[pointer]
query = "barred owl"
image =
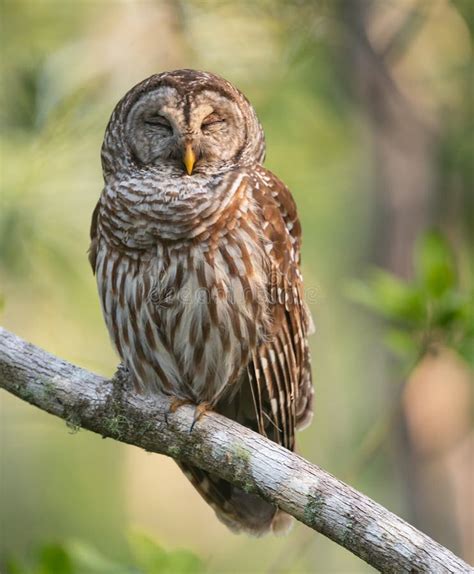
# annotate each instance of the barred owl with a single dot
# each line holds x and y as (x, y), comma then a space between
(196, 251)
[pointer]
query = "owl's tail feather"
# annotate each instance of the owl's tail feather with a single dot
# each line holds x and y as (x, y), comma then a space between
(240, 511)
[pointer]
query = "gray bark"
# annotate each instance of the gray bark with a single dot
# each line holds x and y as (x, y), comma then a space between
(221, 446)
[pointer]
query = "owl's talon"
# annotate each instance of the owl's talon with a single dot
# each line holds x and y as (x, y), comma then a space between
(199, 412)
(174, 406)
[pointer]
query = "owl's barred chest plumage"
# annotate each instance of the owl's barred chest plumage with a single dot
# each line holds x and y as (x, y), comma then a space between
(196, 251)
(185, 314)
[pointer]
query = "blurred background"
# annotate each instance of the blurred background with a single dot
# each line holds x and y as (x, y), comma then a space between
(367, 108)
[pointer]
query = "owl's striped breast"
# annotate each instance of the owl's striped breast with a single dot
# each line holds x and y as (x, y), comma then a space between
(185, 318)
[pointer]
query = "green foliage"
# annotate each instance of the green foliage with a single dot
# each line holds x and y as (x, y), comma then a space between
(433, 309)
(76, 557)
(50, 558)
(152, 559)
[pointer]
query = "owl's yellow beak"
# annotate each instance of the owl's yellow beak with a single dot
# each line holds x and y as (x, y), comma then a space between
(189, 158)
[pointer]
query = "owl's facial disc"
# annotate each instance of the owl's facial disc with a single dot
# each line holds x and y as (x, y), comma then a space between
(191, 133)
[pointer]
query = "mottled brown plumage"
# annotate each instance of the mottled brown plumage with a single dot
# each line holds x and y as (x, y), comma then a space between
(196, 251)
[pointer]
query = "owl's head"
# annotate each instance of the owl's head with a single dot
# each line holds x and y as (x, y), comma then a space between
(183, 122)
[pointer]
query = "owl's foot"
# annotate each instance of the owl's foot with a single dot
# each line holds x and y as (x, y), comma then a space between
(174, 406)
(199, 412)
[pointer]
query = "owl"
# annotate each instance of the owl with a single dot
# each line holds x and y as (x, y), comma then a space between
(196, 250)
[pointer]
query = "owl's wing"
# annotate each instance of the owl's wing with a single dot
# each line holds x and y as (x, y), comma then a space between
(92, 252)
(280, 370)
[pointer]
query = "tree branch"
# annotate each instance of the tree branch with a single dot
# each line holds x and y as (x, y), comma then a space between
(221, 446)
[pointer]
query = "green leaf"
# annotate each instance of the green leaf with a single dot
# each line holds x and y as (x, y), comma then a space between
(389, 297)
(150, 557)
(54, 559)
(435, 264)
(449, 310)
(184, 562)
(88, 560)
(153, 559)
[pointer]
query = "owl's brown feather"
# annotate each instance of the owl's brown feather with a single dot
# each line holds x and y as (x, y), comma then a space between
(281, 362)
(199, 275)
(93, 234)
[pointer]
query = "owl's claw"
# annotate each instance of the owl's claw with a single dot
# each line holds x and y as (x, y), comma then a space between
(174, 406)
(199, 412)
